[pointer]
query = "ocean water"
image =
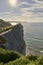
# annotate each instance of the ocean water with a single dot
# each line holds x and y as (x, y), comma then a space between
(33, 36)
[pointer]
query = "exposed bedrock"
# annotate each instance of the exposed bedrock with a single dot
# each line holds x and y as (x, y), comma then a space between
(15, 39)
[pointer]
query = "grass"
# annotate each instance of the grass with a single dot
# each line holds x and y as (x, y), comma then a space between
(6, 56)
(14, 58)
(3, 29)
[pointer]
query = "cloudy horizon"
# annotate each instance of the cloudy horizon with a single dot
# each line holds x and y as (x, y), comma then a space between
(21, 10)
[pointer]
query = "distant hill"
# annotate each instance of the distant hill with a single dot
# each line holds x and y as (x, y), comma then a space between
(4, 25)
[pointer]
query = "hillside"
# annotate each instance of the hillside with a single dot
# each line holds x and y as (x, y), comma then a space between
(13, 58)
(4, 25)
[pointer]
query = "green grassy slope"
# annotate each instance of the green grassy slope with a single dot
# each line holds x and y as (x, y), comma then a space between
(13, 58)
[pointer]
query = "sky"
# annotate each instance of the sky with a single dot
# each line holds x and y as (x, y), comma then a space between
(21, 10)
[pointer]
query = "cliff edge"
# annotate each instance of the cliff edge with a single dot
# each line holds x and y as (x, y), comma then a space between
(15, 40)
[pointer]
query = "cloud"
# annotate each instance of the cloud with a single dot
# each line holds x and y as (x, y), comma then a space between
(30, 15)
(28, 19)
(38, 5)
(5, 13)
(26, 3)
(38, 1)
(27, 15)
(27, 11)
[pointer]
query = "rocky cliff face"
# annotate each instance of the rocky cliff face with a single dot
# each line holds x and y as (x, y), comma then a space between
(15, 40)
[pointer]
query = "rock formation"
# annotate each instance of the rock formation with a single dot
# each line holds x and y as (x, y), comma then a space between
(15, 40)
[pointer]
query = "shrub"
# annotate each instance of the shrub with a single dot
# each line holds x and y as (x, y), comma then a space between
(32, 63)
(6, 56)
(2, 40)
(3, 47)
(1, 64)
(32, 57)
(20, 61)
(40, 61)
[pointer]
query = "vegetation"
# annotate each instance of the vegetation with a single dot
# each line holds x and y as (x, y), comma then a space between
(2, 29)
(6, 56)
(2, 39)
(4, 26)
(32, 57)
(2, 42)
(14, 58)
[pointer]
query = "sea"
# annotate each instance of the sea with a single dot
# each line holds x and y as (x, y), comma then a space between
(33, 36)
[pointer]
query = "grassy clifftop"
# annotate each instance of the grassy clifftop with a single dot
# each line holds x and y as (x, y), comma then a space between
(13, 58)
(4, 26)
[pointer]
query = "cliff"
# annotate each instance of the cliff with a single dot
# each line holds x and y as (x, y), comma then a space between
(15, 40)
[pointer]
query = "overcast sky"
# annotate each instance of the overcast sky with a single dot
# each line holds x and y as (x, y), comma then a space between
(22, 10)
